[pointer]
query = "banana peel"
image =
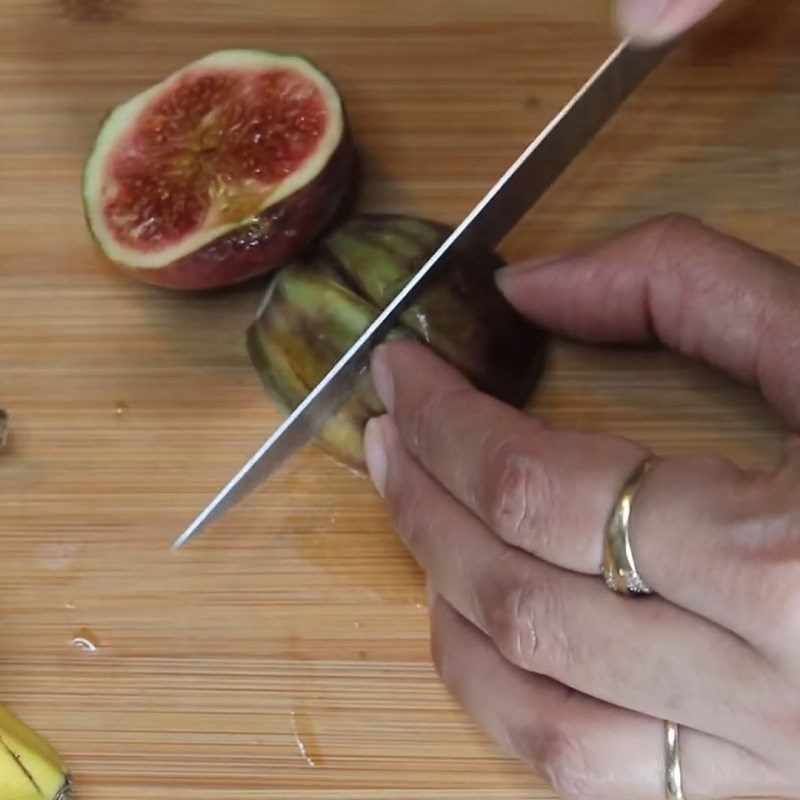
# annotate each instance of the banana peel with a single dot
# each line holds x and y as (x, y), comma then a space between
(30, 769)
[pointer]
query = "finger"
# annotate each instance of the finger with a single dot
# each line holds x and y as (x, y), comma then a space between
(548, 492)
(653, 21)
(712, 538)
(706, 295)
(726, 541)
(585, 748)
(570, 627)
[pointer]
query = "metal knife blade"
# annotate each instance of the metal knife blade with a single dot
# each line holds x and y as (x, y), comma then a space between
(488, 223)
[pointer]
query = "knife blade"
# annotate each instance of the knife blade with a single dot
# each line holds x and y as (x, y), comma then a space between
(528, 178)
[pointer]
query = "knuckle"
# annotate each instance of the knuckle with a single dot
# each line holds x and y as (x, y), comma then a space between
(513, 626)
(519, 496)
(566, 768)
(560, 756)
(676, 231)
(676, 236)
(517, 615)
(675, 223)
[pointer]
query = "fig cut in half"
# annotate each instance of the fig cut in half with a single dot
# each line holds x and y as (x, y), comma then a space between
(317, 307)
(228, 168)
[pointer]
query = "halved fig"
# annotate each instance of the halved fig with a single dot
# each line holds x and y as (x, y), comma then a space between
(314, 310)
(227, 169)
(308, 320)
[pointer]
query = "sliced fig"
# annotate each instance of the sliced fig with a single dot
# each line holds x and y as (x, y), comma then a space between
(227, 169)
(316, 309)
(307, 321)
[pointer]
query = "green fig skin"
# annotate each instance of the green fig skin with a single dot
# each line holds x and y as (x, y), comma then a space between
(315, 309)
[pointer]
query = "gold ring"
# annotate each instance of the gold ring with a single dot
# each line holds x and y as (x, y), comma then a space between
(619, 569)
(672, 757)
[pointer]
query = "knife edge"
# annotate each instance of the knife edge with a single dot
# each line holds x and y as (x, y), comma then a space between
(512, 196)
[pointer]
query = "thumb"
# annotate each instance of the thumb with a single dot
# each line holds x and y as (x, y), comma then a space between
(655, 21)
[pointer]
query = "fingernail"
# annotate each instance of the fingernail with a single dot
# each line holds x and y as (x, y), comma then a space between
(375, 453)
(382, 377)
(641, 19)
(506, 277)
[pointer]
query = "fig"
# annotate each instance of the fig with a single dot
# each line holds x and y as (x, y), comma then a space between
(316, 308)
(225, 170)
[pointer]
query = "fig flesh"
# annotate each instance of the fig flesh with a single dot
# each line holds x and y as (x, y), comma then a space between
(227, 169)
(314, 310)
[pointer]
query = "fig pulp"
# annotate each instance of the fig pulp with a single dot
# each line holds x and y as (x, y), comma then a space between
(316, 309)
(225, 170)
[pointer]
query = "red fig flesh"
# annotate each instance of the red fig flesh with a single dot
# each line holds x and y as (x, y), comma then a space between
(225, 170)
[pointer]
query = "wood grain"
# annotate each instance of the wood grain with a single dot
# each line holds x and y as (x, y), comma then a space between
(300, 619)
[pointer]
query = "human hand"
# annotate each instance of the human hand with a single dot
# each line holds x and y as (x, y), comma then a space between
(506, 517)
(658, 20)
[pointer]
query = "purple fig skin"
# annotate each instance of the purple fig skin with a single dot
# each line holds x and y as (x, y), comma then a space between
(279, 234)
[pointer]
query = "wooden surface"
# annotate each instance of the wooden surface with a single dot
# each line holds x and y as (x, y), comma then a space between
(299, 620)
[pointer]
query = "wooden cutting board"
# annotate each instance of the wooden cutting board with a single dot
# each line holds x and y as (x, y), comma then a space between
(285, 655)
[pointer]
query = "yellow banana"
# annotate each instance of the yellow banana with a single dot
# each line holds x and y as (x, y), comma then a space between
(29, 767)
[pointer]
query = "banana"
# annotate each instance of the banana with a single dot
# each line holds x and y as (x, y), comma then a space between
(29, 767)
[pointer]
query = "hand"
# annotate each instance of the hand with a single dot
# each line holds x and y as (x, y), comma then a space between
(506, 518)
(658, 20)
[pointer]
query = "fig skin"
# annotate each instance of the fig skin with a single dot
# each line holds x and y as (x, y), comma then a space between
(315, 309)
(276, 236)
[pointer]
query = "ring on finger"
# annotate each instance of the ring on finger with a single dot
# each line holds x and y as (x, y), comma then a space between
(672, 758)
(619, 569)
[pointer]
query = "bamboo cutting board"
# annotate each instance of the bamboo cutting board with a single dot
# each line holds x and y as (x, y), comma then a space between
(285, 656)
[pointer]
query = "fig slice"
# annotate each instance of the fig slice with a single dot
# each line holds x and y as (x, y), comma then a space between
(228, 168)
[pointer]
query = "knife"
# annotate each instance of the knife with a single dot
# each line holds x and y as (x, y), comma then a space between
(528, 178)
